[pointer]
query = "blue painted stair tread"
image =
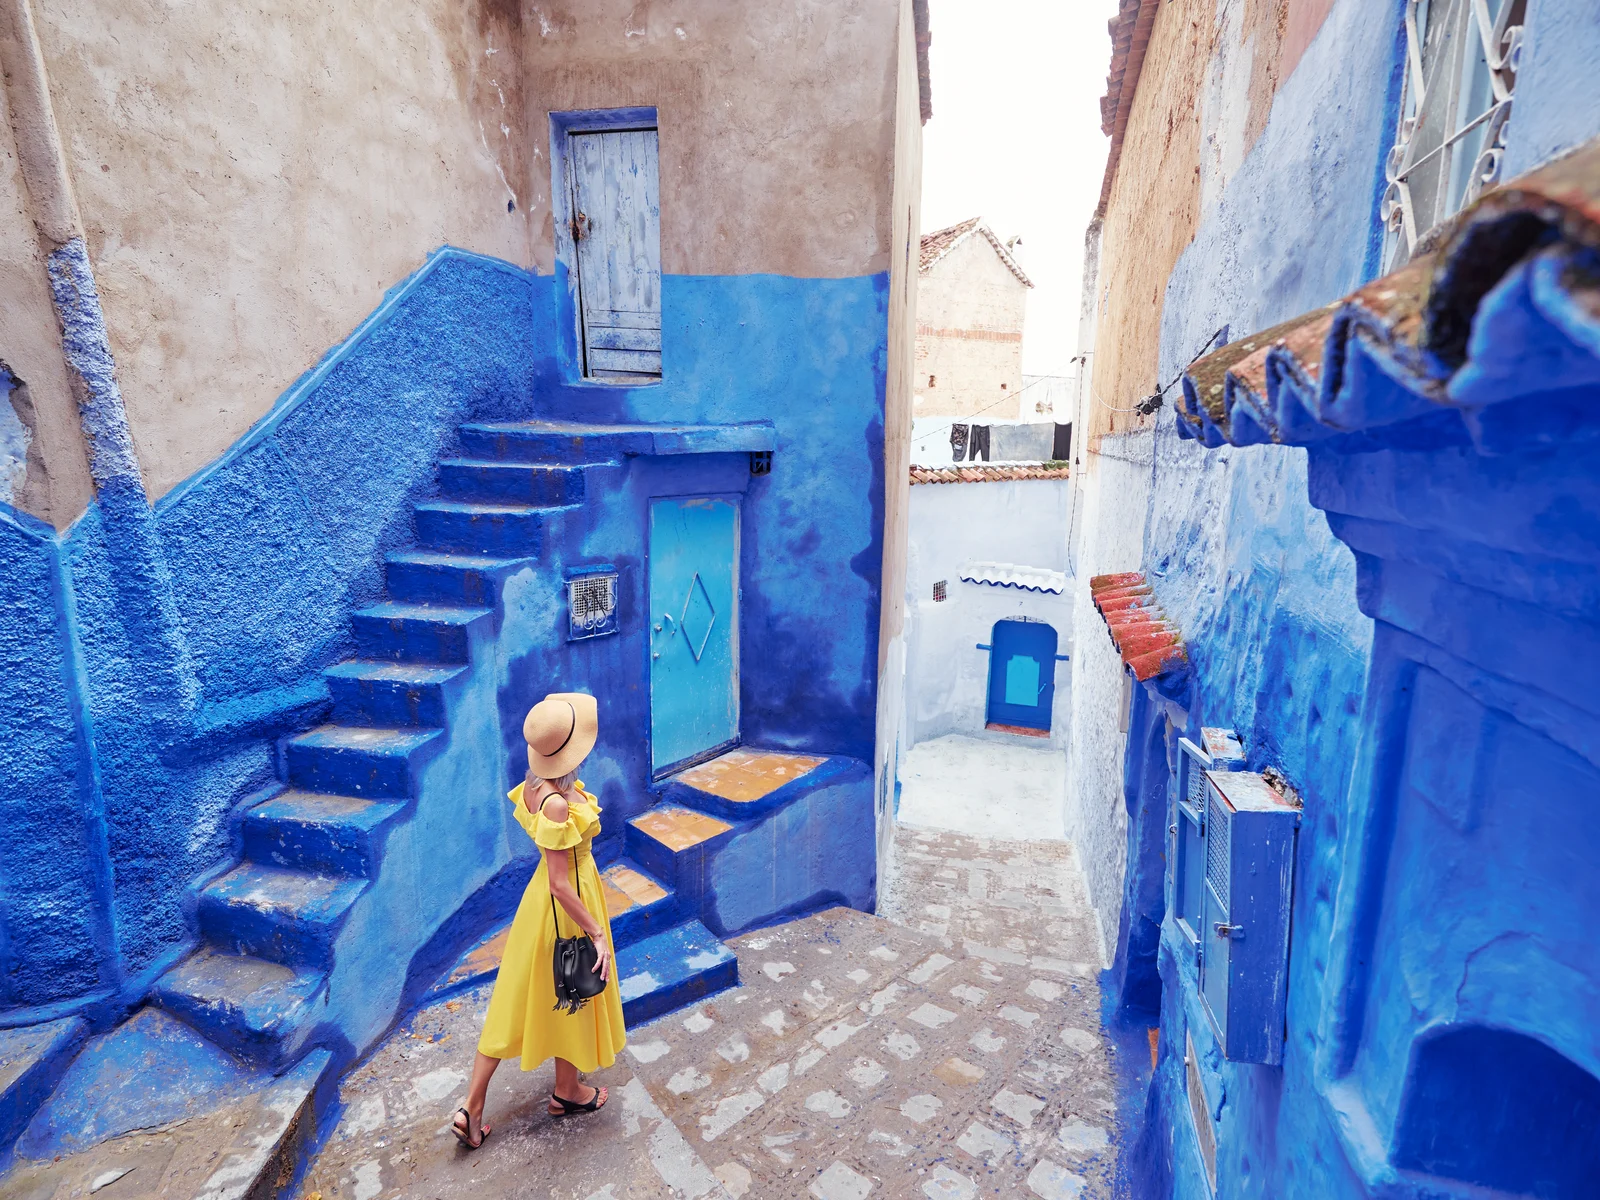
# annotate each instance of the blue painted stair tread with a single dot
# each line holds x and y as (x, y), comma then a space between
(479, 963)
(382, 692)
(497, 480)
(498, 528)
(284, 916)
(449, 578)
(564, 441)
(357, 760)
(150, 1070)
(408, 631)
(245, 1004)
(318, 831)
(747, 782)
(31, 1060)
(672, 969)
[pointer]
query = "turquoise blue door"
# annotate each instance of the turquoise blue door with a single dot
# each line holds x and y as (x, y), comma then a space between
(694, 628)
(1022, 674)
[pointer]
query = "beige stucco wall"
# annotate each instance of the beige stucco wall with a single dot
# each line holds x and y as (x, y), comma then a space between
(252, 178)
(970, 309)
(777, 123)
(906, 207)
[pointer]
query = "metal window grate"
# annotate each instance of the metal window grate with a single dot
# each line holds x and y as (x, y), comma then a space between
(940, 589)
(1195, 792)
(1219, 829)
(591, 605)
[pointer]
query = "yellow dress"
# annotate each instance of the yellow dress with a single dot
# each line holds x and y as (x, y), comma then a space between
(523, 1021)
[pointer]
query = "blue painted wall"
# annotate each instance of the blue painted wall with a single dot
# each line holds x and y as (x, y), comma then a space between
(1404, 634)
(147, 705)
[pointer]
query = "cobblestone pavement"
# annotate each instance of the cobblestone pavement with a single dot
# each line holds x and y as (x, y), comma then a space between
(949, 1049)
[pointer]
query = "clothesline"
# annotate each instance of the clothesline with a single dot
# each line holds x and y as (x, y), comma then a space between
(968, 420)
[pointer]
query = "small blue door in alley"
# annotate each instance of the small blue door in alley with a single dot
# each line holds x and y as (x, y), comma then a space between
(694, 628)
(616, 227)
(1022, 674)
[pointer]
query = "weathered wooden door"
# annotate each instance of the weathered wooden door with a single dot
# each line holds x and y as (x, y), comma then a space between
(694, 628)
(616, 225)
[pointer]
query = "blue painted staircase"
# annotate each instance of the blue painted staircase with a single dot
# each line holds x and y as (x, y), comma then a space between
(311, 848)
(313, 845)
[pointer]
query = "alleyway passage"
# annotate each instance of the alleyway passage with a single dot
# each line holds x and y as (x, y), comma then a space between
(948, 1049)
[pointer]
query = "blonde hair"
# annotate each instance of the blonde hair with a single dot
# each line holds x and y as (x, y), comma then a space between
(561, 783)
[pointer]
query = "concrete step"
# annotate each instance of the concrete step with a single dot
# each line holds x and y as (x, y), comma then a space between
(403, 631)
(674, 844)
(579, 442)
(153, 1109)
(352, 760)
(482, 529)
(32, 1061)
(636, 905)
(380, 692)
(499, 482)
(554, 441)
(288, 917)
(464, 579)
(316, 831)
(249, 1006)
(671, 969)
(746, 783)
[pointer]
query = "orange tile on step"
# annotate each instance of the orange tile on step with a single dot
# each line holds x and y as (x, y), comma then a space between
(679, 828)
(746, 775)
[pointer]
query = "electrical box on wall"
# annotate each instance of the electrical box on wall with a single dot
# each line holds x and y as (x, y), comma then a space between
(1249, 844)
(1222, 751)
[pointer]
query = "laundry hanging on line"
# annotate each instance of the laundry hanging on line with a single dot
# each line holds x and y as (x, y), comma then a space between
(978, 443)
(958, 442)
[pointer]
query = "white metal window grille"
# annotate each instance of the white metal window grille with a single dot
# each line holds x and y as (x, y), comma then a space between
(1460, 72)
(591, 605)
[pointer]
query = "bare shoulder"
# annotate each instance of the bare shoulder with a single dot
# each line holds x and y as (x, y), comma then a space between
(555, 807)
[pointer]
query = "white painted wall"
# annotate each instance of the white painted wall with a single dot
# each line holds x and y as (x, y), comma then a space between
(1115, 499)
(947, 677)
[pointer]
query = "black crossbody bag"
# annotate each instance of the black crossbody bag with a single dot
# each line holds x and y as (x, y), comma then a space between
(577, 982)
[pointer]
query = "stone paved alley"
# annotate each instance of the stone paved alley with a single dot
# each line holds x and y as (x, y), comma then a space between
(947, 1049)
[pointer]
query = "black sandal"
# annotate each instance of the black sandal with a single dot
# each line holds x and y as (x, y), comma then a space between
(571, 1107)
(464, 1136)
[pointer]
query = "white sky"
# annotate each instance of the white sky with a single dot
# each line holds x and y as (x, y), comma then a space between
(1015, 138)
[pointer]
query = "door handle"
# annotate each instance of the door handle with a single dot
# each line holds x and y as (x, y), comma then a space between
(671, 628)
(1232, 932)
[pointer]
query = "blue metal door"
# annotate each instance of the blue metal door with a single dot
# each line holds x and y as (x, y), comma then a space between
(1022, 674)
(694, 628)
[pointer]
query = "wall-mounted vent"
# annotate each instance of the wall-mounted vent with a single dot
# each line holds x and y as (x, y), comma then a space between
(1200, 1110)
(941, 589)
(591, 602)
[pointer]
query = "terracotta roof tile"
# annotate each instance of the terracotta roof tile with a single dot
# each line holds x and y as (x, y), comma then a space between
(976, 474)
(940, 242)
(1150, 645)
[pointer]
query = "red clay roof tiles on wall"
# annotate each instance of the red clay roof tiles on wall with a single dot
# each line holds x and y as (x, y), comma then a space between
(985, 474)
(1149, 644)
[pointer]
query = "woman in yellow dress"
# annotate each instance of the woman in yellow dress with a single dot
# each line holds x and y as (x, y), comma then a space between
(523, 1020)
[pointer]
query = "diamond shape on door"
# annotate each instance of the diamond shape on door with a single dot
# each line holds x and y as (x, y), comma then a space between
(698, 617)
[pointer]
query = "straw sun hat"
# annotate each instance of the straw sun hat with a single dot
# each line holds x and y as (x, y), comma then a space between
(560, 731)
